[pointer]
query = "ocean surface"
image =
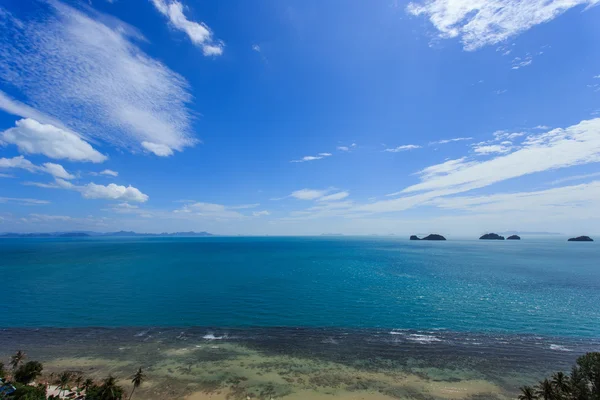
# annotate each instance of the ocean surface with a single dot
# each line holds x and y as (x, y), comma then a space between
(319, 318)
(538, 286)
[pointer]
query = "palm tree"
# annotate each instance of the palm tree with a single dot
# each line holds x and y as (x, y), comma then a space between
(545, 390)
(561, 383)
(88, 383)
(137, 380)
(579, 387)
(527, 393)
(63, 382)
(109, 388)
(17, 359)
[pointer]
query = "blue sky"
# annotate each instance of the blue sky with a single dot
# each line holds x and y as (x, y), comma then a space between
(295, 117)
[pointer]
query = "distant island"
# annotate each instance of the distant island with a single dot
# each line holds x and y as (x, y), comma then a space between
(491, 236)
(428, 237)
(514, 237)
(100, 234)
(581, 239)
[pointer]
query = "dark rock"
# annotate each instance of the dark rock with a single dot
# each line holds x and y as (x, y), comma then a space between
(581, 239)
(514, 237)
(491, 236)
(433, 236)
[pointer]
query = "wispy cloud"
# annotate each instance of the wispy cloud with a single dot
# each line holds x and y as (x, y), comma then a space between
(501, 91)
(479, 24)
(26, 202)
(575, 178)
(346, 148)
(519, 62)
(198, 32)
(320, 156)
(85, 71)
(445, 141)
(308, 194)
(405, 147)
(220, 211)
(106, 172)
(94, 191)
(334, 197)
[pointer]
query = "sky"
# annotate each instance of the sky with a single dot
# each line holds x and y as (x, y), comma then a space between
(288, 117)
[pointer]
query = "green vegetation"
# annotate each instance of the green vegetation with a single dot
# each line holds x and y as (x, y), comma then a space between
(583, 383)
(69, 385)
(28, 372)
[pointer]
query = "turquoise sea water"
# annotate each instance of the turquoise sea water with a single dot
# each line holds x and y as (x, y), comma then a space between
(538, 286)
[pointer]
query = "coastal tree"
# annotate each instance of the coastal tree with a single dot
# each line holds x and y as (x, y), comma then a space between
(17, 359)
(579, 386)
(137, 380)
(545, 390)
(561, 384)
(2, 371)
(108, 390)
(28, 372)
(589, 364)
(527, 393)
(63, 382)
(88, 383)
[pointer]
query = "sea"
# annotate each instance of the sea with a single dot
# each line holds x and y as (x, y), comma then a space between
(452, 319)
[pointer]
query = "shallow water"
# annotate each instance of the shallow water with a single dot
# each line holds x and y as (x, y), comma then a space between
(302, 363)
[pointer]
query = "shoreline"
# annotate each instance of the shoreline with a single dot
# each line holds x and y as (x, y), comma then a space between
(294, 364)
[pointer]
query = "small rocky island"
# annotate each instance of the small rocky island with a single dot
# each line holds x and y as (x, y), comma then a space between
(491, 236)
(428, 237)
(514, 237)
(581, 239)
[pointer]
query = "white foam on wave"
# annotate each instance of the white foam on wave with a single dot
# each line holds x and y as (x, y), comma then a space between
(558, 347)
(142, 333)
(423, 338)
(398, 332)
(210, 336)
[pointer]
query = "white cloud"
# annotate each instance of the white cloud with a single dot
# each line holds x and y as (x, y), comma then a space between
(597, 77)
(85, 71)
(256, 48)
(445, 141)
(26, 202)
(308, 194)
(109, 172)
(21, 162)
(6, 176)
(112, 192)
(18, 162)
(32, 137)
(491, 149)
(312, 158)
(260, 213)
(198, 33)
(501, 91)
(57, 171)
(94, 191)
(482, 23)
(542, 127)
(334, 196)
(403, 148)
(503, 135)
(161, 150)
